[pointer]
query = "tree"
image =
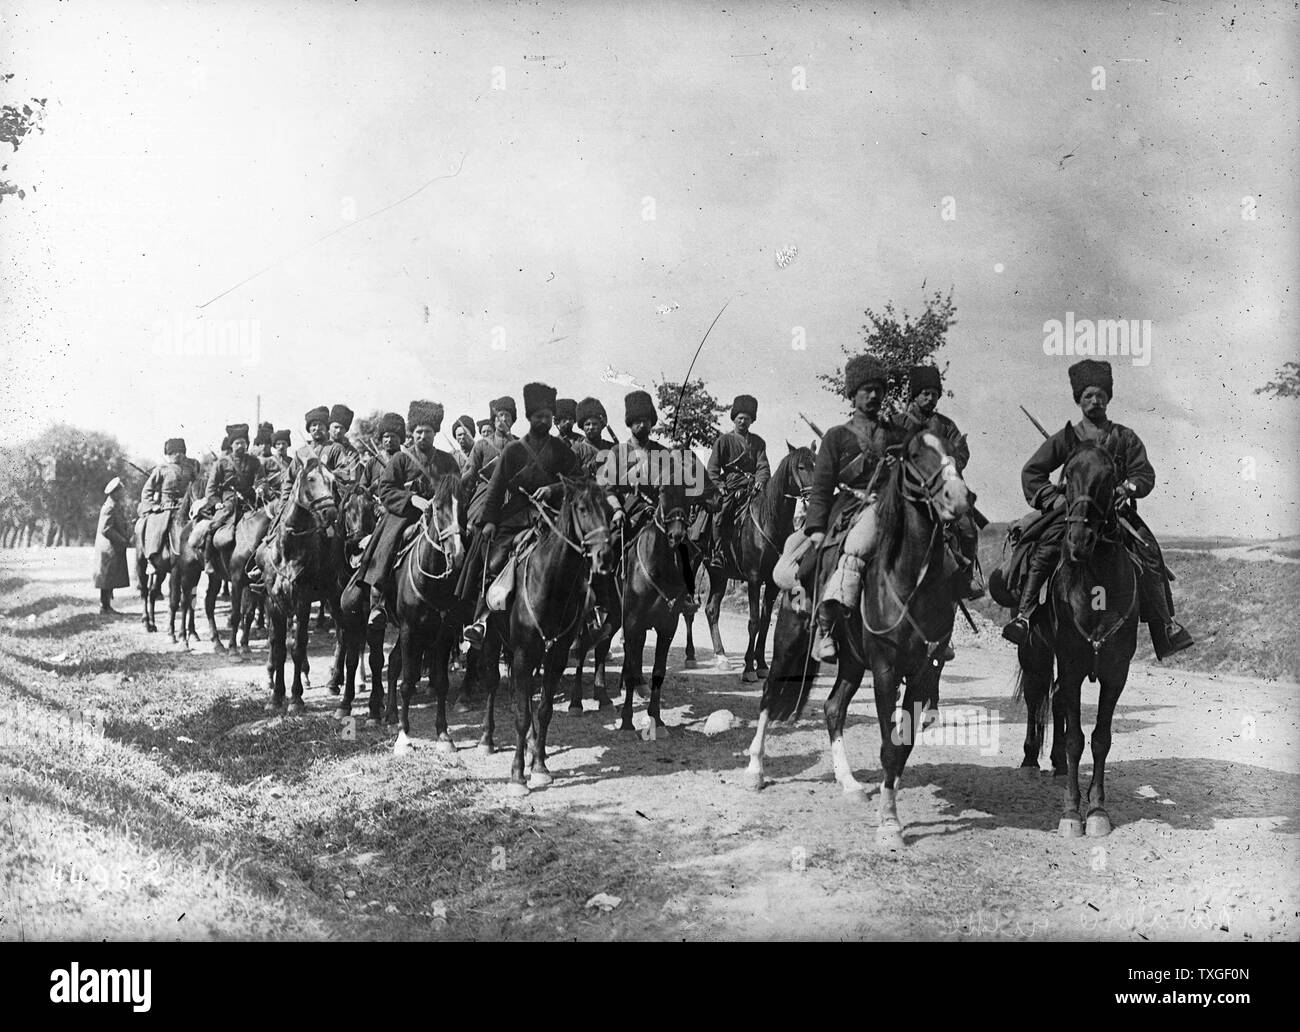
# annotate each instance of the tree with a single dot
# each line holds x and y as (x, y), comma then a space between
(1285, 382)
(15, 124)
(900, 344)
(366, 428)
(695, 423)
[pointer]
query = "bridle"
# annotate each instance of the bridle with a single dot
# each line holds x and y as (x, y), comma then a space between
(434, 535)
(317, 508)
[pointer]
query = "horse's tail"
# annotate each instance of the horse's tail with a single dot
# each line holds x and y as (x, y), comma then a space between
(1042, 715)
(790, 679)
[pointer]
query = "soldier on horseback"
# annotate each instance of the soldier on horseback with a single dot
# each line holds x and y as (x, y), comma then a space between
(483, 459)
(462, 432)
(527, 471)
(405, 486)
(232, 487)
(591, 444)
(164, 492)
(391, 432)
(262, 442)
(274, 466)
(738, 469)
(926, 387)
(566, 414)
(850, 459)
(317, 423)
(1093, 388)
(344, 457)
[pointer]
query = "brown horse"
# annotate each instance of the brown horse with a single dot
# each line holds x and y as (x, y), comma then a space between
(550, 597)
(1089, 628)
(167, 566)
(899, 631)
(757, 537)
(295, 560)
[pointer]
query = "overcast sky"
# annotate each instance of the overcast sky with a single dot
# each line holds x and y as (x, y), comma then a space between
(189, 146)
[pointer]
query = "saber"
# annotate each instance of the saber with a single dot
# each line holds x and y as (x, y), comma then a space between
(815, 428)
(677, 409)
(966, 613)
(1035, 422)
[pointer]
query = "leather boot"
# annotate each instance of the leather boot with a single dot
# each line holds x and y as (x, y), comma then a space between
(843, 590)
(477, 631)
(1017, 630)
(1167, 634)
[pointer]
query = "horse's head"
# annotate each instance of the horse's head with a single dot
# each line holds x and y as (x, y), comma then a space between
(1089, 477)
(930, 474)
(358, 514)
(585, 514)
(799, 464)
(314, 494)
(670, 515)
(441, 519)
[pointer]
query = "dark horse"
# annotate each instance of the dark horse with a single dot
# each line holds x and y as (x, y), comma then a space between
(354, 522)
(653, 587)
(422, 598)
(757, 538)
(169, 566)
(550, 597)
(1089, 628)
(903, 622)
(295, 560)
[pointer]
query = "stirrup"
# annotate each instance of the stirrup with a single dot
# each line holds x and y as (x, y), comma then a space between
(1017, 631)
(475, 633)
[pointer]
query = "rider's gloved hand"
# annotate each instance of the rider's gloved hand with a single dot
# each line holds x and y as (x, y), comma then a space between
(488, 531)
(617, 518)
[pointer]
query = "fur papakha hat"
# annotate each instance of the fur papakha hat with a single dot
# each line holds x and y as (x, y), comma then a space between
(861, 370)
(466, 422)
(174, 445)
(237, 430)
(342, 415)
(1091, 373)
(924, 378)
(639, 405)
(745, 403)
(566, 408)
(538, 396)
(589, 407)
(264, 432)
(504, 403)
(427, 413)
(391, 423)
(281, 435)
(320, 414)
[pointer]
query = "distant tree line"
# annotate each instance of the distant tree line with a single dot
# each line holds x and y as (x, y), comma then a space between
(52, 486)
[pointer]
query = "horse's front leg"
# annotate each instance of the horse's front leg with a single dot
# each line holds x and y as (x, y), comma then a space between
(236, 611)
(337, 673)
(663, 640)
(521, 689)
(174, 589)
(490, 675)
(580, 647)
(411, 641)
(1036, 686)
(712, 610)
(1112, 685)
(633, 663)
(552, 670)
(298, 651)
(754, 588)
(465, 701)
(847, 681)
(439, 682)
(1069, 688)
(276, 658)
(764, 622)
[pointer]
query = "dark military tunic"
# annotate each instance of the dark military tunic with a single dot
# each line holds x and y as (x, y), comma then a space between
(408, 473)
(165, 493)
(735, 458)
(943, 428)
(273, 471)
(525, 466)
(478, 474)
(1124, 446)
(233, 478)
(849, 455)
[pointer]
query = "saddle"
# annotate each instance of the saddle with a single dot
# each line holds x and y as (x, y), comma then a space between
(503, 585)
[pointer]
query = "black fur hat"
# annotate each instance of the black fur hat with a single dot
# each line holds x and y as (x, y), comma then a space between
(428, 413)
(639, 405)
(1091, 373)
(566, 408)
(391, 423)
(745, 403)
(320, 414)
(467, 423)
(589, 407)
(506, 403)
(236, 430)
(538, 396)
(174, 445)
(264, 432)
(342, 415)
(861, 370)
(281, 435)
(922, 378)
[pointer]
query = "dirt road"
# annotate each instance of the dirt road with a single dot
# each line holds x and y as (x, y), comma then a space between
(1202, 788)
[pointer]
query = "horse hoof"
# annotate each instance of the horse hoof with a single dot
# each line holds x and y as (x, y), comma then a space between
(628, 729)
(516, 790)
(722, 662)
(274, 706)
(1098, 824)
(342, 713)
(854, 793)
(690, 664)
(603, 702)
(539, 779)
(402, 746)
(1070, 827)
(574, 711)
(245, 651)
(754, 780)
(749, 677)
(762, 673)
(463, 706)
(218, 647)
(444, 745)
(889, 836)
(333, 689)
(295, 709)
(1028, 772)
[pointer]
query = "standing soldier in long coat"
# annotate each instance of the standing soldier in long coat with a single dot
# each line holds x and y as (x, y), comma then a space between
(112, 536)
(232, 488)
(1093, 387)
(164, 494)
(483, 457)
(851, 455)
(405, 488)
(529, 467)
(738, 469)
(926, 387)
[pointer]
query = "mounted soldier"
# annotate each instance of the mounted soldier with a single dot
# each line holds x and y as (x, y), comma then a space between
(566, 414)
(165, 492)
(1093, 388)
(483, 458)
(843, 491)
(527, 470)
(232, 486)
(462, 433)
(262, 442)
(738, 469)
(317, 423)
(925, 387)
(274, 466)
(405, 486)
(391, 431)
(344, 457)
(591, 445)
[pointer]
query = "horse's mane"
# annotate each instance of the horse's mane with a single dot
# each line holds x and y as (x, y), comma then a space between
(891, 505)
(444, 488)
